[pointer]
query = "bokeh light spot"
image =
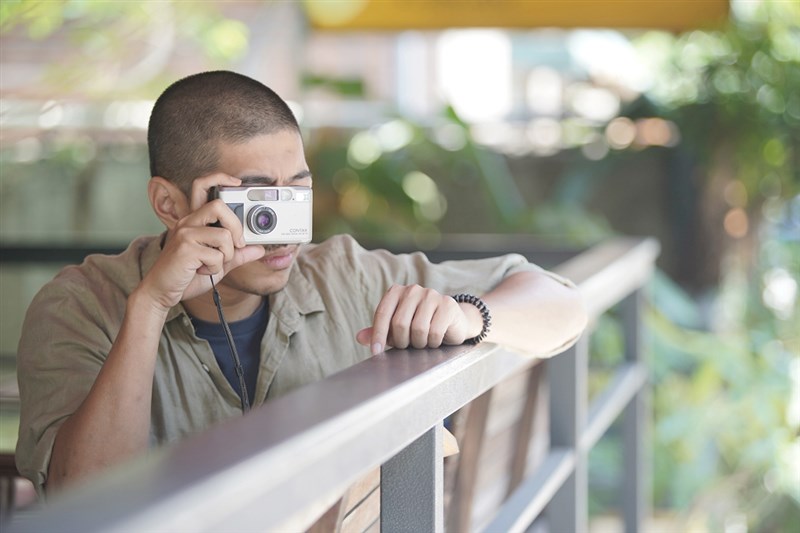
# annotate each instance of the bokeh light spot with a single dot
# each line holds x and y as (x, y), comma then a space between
(736, 223)
(364, 150)
(420, 187)
(620, 133)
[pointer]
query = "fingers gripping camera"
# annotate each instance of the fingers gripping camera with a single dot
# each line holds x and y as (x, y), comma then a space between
(270, 215)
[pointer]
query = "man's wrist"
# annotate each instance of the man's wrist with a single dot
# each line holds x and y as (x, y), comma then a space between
(140, 300)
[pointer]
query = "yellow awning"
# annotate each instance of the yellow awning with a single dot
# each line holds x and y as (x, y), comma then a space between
(440, 14)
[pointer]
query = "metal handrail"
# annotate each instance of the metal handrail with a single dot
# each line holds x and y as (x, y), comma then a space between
(265, 469)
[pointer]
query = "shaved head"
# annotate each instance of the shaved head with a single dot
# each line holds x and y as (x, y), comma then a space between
(194, 115)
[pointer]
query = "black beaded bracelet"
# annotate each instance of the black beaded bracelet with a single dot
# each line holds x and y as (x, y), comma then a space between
(487, 318)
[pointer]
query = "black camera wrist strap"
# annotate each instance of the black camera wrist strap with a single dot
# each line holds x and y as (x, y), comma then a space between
(232, 346)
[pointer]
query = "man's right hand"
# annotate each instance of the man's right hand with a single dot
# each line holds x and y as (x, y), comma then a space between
(194, 249)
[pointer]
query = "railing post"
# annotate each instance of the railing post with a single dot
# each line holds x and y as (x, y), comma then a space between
(412, 486)
(635, 490)
(567, 374)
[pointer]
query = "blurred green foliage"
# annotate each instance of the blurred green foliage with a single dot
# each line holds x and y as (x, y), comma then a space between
(726, 434)
(735, 95)
(726, 367)
(122, 48)
(726, 363)
(401, 178)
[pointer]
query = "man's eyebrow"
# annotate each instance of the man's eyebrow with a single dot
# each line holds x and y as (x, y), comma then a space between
(270, 182)
(258, 180)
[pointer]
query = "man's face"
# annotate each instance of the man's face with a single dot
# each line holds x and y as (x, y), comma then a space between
(275, 160)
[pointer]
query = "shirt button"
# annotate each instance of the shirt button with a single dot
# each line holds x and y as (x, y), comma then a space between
(205, 367)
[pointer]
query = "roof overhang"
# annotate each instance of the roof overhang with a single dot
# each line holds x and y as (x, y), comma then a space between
(398, 15)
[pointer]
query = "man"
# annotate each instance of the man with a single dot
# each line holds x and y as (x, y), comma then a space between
(124, 352)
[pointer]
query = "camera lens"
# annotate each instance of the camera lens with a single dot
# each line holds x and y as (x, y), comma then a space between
(261, 219)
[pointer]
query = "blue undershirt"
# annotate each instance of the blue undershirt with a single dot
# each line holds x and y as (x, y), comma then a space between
(247, 335)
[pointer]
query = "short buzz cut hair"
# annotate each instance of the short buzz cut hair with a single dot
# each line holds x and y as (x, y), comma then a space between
(195, 114)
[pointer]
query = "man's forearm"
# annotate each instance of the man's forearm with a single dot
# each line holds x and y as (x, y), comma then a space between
(534, 313)
(113, 422)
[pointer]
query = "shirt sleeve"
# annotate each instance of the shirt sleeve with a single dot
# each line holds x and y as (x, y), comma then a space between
(65, 340)
(379, 269)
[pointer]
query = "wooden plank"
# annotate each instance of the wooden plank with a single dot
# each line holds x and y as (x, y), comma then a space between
(496, 468)
(364, 515)
(508, 401)
(493, 476)
(361, 489)
(331, 520)
(486, 507)
(458, 426)
(539, 444)
(496, 456)
(375, 527)
(460, 508)
(525, 428)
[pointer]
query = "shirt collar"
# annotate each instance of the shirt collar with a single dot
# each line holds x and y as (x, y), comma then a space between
(299, 297)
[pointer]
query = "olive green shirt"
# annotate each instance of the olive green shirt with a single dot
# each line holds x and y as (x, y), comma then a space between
(331, 294)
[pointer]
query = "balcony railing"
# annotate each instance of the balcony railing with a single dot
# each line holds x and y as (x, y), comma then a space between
(281, 466)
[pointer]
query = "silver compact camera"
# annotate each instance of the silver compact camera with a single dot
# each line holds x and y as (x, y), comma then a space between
(270, 215)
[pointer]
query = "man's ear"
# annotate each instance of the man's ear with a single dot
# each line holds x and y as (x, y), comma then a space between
(168, 201)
